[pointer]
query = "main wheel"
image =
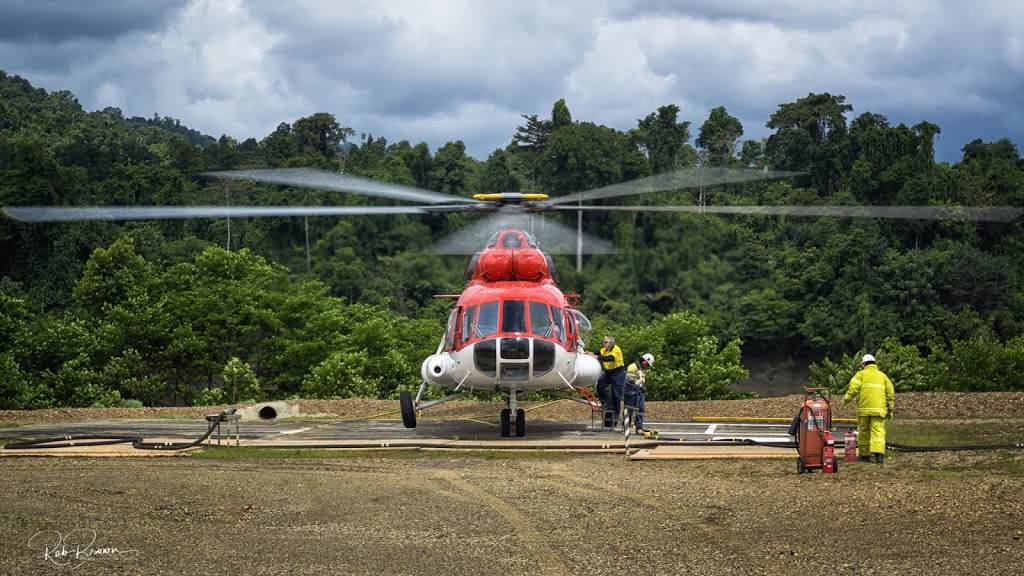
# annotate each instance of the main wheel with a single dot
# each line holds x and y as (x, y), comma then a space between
(801, 467)
(506, 416)
(408, 412)
(520, 423)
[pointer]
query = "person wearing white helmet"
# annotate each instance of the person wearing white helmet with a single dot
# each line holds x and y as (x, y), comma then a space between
(875, 397)
(636, 389)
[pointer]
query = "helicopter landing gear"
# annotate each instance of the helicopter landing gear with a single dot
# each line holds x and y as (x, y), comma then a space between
(506, 418)
(506, 423)
(408, 411)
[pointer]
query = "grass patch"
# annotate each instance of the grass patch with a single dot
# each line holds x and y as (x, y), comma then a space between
(953, 434)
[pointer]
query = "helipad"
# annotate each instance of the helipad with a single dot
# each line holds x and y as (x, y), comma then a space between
(672, 440)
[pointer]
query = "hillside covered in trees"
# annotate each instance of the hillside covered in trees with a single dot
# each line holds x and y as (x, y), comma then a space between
(210, 310)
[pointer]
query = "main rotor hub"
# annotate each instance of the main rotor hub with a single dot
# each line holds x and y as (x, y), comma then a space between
(510, 197)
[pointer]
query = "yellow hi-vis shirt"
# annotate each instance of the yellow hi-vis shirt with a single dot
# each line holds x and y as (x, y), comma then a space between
(616, 362)
(635, 371)
(874, 392)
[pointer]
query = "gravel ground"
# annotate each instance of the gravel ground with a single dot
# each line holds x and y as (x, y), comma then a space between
(536, 513)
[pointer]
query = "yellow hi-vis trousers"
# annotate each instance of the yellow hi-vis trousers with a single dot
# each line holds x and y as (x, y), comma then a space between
(870, 435)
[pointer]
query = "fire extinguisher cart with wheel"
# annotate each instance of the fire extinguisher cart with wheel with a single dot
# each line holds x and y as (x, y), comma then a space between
(812, 428)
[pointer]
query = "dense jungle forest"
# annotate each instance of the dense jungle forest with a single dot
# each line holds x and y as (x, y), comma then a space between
(214, 310)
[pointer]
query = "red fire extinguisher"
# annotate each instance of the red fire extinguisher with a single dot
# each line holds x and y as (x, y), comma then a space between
(850, 445)
(828, 454)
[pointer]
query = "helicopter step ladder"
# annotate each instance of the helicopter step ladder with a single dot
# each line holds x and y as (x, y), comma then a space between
(595, 405)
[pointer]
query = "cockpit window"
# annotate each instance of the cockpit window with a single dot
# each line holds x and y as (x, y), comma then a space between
(468, 323)
(517, 316)
(487, 320)
(513, 316)
(449, 335)
(540, 320)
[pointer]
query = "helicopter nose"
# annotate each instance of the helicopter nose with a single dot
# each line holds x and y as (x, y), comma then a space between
(436, 368)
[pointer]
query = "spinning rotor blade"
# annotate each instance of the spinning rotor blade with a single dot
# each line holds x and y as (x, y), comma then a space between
(974, 213)
(93, 213)
(338, 182)
(677, 180)
(552, 237)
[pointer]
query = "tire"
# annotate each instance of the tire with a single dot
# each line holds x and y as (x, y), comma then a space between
(506, 416)
(520, 423)
(408, 411)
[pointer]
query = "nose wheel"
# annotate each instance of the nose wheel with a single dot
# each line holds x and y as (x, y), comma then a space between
(507, 423)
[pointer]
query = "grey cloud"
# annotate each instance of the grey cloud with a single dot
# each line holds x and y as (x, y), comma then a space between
(61, 20)
(437, 73)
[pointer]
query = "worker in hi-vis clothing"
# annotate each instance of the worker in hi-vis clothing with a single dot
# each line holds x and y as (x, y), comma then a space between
(875, 396)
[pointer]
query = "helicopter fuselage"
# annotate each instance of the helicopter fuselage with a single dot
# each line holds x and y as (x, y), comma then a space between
(512, 330)
(512, 336)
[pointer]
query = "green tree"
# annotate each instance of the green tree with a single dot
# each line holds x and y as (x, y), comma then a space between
(810, 136)
(664, 139)
(583, 156)
(317, 138)
(718, 136)
(114, 276)
(280, 146)
(498, 175)
(449, 174)
(240, 382)
(690, 363)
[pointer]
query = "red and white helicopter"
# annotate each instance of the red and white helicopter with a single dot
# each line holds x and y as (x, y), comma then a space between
(512, 330)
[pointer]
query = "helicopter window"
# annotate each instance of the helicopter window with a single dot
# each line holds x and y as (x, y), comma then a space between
(540, 320)
(449, 335)
(559, 324)
(487, 320)
(513, 316)
(468, 323)
(485, 357)
(543, 357)
(582, 322)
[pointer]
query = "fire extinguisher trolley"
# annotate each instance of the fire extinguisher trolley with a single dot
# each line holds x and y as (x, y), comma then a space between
(813, 426)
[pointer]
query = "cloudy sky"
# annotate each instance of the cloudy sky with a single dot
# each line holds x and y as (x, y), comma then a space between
(445, 70)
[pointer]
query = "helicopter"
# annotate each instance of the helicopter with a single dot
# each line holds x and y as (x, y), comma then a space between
(512, 330)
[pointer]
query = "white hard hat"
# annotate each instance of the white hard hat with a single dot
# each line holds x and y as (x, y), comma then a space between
(648, 358)
(867, 358)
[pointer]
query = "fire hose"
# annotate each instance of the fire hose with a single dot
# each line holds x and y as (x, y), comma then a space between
(70, 441)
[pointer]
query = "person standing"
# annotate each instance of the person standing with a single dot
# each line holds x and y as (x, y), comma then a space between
(636, 389)
(875, 397)
(611, 384)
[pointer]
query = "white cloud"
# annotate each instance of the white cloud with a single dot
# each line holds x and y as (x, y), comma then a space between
(449, 70)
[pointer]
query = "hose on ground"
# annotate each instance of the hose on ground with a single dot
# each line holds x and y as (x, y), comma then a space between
(71, 441)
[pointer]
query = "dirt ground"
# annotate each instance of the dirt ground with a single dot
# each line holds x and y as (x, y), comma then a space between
(442, 512)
